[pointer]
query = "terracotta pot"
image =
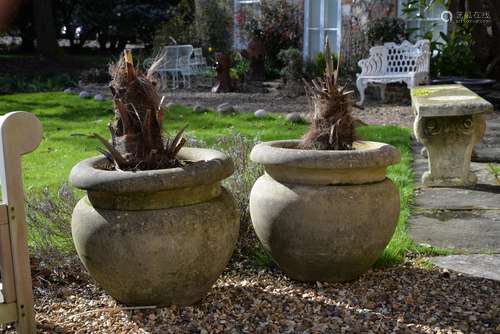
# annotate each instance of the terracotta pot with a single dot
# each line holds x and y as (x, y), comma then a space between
(324, 215)
(157, 237)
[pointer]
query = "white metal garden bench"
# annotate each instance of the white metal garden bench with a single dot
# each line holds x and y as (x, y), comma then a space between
(20, 133)
(389, 63)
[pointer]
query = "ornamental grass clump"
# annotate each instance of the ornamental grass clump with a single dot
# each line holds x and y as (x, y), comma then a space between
(137, 141)
(332, 126)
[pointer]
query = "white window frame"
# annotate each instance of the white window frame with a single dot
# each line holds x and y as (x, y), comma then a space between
(419, 21)
(321, 27)
(238, 42)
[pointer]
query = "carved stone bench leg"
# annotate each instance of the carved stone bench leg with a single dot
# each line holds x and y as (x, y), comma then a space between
(361, 85)
(449, 142)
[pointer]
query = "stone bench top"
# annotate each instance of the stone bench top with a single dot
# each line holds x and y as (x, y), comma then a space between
(447, 100)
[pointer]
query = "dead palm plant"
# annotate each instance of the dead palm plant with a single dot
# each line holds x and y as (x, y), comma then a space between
(332, 126)
(137, 141)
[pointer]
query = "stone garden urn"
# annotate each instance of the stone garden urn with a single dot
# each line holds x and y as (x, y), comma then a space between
(156, 237)
(324, 215)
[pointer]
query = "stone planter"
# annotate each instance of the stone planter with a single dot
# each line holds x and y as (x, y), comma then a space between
(156, 237)
(324, 215)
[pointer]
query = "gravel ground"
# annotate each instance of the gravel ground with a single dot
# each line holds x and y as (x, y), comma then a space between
(396, 112)
(404, 299)
(409, 298)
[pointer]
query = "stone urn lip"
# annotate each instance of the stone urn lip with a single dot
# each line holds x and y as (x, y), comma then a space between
(367, 154)
(210, 167)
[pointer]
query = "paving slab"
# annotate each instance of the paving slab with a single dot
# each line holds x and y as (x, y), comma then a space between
(464, 231)
(488, 150)
(485, 197)
(466, 220)
(485, 266)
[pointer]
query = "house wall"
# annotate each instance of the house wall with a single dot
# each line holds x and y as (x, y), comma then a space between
(356, 14)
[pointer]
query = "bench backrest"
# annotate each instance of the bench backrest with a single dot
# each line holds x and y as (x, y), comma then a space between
(403, 58)
(394, 59)
(20, 133)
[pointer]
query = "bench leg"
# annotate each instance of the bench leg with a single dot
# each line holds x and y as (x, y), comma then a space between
(361, 85)
(382, 92)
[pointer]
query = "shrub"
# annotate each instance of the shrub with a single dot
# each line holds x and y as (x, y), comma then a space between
(246, 172)
(95, 75)
(240, 67)
(315, 68)
(213, 21)
(386, 29)
(23, 83)
(454, 54)
(293, 69)
(279, 27)
(180, 26)
(48, 217)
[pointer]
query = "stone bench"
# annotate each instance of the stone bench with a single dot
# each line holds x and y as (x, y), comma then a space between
(449, 122)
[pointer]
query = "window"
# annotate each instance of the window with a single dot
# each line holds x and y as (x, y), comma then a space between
(247, 6)
(322, 18)
(424, 19)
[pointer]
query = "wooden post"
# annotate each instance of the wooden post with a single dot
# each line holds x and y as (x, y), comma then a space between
(20, 133)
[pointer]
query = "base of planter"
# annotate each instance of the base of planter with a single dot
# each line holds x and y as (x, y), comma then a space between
(324, 233)
(157, 257)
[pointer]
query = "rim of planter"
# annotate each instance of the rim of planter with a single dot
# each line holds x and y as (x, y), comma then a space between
(366, 163)
(208, 167)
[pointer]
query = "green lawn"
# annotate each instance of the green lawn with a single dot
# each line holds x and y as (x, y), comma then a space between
(68, 120)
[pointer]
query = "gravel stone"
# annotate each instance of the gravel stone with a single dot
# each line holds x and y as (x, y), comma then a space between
(225, 109)
(407, 298)
(84, 94)
(99, 97)
(199, 109)
(294, 117)
(261, 113)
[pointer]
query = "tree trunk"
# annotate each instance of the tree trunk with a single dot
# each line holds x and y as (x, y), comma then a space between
(45, 29)
(223, 65)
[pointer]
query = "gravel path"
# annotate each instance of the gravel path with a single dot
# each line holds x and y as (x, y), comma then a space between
(404, 299)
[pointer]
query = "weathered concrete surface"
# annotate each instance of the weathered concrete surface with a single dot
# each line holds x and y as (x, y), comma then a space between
(485, 266)
(466, 231)
(156, 237)
(324, 233)
(324, 215)
(462, 219)
(447, 100)
(449, 123)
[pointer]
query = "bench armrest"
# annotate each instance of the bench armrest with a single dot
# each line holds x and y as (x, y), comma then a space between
(373, 65)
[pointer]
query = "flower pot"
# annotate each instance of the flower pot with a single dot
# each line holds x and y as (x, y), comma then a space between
(324, 215)
(156, 237)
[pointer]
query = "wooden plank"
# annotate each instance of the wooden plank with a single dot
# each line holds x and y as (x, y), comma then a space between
(6, 265)
(8, 313)
(20, 133)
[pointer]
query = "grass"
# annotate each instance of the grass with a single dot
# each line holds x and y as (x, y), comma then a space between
(69, 120)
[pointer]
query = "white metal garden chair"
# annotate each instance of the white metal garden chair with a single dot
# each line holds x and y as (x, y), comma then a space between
(174, 67)
(20, 133)
(198, 63)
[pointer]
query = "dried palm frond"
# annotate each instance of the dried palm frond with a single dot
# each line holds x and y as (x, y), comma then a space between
(332, 125)
(136, 132)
